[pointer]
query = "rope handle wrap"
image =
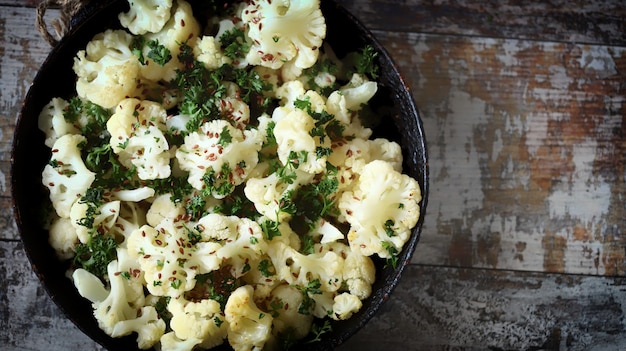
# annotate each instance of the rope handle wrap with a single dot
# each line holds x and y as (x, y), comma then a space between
(62, 24)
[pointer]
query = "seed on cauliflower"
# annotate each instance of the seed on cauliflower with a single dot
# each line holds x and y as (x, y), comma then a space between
(66, 176)
(284, 30)
(136, 130)
(381, 208)
(145, 16)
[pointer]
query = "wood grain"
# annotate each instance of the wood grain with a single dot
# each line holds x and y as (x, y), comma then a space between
(591, 22)
(527, 151)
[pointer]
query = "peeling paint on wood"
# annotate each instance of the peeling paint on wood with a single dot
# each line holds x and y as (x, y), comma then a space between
(527, 152)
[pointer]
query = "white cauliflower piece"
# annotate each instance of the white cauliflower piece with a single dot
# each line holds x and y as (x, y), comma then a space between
(285, 301)
(249, 328)
(208, 51)
(241, 238)
(386, 150)
(293, 137)
(169, 261)
(352, 96)
(105, 218)
(359, 272)
(63, 238)
(219, 156)
(182, 27)
(201, 320)
(52, 121)
(289, 92)
(107, 70)
(267, 192)
(169, 342)
(148, 326)
(299, 269)
(89, 286)
(284, 30)
(145, 16)
(123, 300)
(351, 156)
(381, 208)
(163, 207)
(345, 305)
(66, 176)
(136, 130)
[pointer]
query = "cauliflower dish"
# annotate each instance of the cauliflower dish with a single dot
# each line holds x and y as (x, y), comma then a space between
(213, 180)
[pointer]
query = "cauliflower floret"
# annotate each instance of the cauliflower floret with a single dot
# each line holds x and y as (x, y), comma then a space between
(300, 269)
(104, 219)
(359, 272)
(351, 156)
(293, 137)
(123, 301)
(136, 130)
(146, 16)
(249, 328)
(66, 176)
(201, 320)
(289, 92)
(266, 193)
(52, 121)
(285, 301)
(107, 70)
(163, 207)
(63, 238)
(242, 239)
(284, 30)
(182, 27)
(148, 326)
(89, 286)
(345, 305)
(219, 156)
(169, 261)
(208, 51)
(169, 342)
(381, 208)
(352, 96)
(386, 150)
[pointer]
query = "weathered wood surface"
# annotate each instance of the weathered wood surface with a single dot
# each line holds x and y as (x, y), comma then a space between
(523, 244)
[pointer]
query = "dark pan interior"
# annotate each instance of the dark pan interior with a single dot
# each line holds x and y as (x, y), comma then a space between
(400, 122)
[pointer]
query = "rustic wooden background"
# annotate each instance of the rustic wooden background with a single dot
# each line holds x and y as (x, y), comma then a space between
(523, 246)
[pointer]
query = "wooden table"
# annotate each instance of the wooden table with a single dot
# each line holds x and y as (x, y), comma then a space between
(524, 242)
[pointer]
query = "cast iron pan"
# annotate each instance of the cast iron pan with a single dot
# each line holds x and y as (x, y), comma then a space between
(394, 101)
